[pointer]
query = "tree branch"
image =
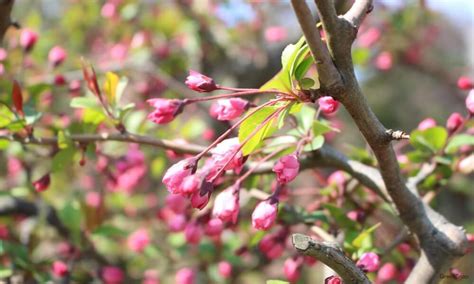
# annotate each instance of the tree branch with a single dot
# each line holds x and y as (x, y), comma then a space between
(328, 73)
(358, 11)
(5, 21)
(331, 255)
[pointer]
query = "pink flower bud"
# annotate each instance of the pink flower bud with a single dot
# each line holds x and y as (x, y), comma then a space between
(57, 55)
(333, 280)
(176, 223)
(42, 184)
(271, 247)
(456, 273)
(225, 269)
(176, 202)
(287, 168)
(200, 201)
(465, 83)
(165, 110)
(190, 184)
(356, 215)
(427, 123)
(175, 175)
(200, 83)
(384, 61)
(214, 227)
(404, 248)
(328, 105)
(337, 178)
(264, 215)
(112, 275)
(109, 10)
(291, 268)
(28, 38)
(226, 205)
(59, 80)
(466, 165)
(185, 276)
(275, 34)
(93, 199)
(369, 37)
(138, 240)
(455, 120)
(193, 233)
(223, 152)
(229, 109)
(4, 233)
(60, 269)
(470, 102)
(151, 276)
(3, 54)
(387, 272)
(369, 262)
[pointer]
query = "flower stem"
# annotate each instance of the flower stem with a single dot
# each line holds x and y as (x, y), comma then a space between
(239, 94)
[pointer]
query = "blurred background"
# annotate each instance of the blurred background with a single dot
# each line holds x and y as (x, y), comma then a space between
(408, 55)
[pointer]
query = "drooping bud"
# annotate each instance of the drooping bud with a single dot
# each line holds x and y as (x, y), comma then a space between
(138, 240)
(60, 269)
(112, 275)
(465, 83)
(193, 233)
(165, 110)
(57, 55)
(214, 227)
(264, 215)
(333, 280)
(185, 276)
(287, 168)
(226, 205)
(42, 184)
(387, 272)
(369, 262)
(229, 109)
(292, 268)
(328, 105)
(223, 152)
(175, 175)
(200, 83)
(28, 38)
(225, 269)
(384, 61)
(455, 120)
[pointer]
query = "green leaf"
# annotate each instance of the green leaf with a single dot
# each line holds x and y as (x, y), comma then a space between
(458, 141)
(279, 82)
(110, 87)
(306, 83)
(63, 159)
(303, 68)
(315, 144)
(71, 216)
(5, 272)
(305, 117)
(109, 231)
(357, 242)
(93, 116)
(361, 56)
(431, 139)
(283, 115)
(321, 127)
(251, 123)
(277, 282)
(64, 140)
(339, 216)
(85, 102)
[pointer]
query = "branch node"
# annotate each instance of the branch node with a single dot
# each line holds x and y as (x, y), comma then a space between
(397, 134)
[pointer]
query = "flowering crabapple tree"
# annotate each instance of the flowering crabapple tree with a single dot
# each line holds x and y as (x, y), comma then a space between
(106, 185)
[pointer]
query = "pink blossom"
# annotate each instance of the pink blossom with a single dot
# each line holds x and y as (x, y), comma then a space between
(60, 268)
(369, 37)
(387, 272)
(427, 123)
(226, 205)
(455, 120)
(59, 80)
(384, 61)
(229, 109)
(185, 276)
(93, 199)
(271, 247)
(264, 215)
(4, 233)
(214, 227)
(275, 34)
(465, 83)
(151, 276)
(291, 268)
(337, 178)
(470, 102)
(190, 184)
(3, 54)
(328, 105)
(176, 202)
(119, 51)
(209, 134)
(176, 223)
(199, 201)
(57, 55)
(112, 275)
(404, 248)
(223, 152)
(138, 240)
(287, 168)
(369, 262)
(14, 166)
(175, 175)
(333, 280)
(42, 184)
(28, 38)
(109, 10)
(193, 233)
(199, 82)
(356, 215)
(225, 269)
(165, 110)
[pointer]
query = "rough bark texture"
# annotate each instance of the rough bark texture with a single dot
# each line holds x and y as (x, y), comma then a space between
(5, 21)
(440, 241)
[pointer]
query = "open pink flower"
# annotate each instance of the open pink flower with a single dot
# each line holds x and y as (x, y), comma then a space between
(287, 168)
(465, 83)
(138, 240)
(42, 184)
(369, 262)
(200, 83)
(175, 175)
(328, 105)
(228, 109)
(165, 110)
(264, 215)
(28, 38)
(60, 268)
(57, 55)
(223, 152)
(226, 205)
(112, 275)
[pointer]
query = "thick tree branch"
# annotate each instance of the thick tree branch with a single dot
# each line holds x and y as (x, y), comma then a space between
(5, 21)
(331, 255)
(328, 73)
(441, 242)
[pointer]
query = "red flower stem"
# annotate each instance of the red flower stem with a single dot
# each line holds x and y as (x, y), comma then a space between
(225, 134)
(257, 164)
(267, 119)
(234, 89)
(239, 94)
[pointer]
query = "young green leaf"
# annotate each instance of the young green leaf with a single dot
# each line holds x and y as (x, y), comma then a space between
(110, 87)
(254, 121)
(357, 242)
(431, 139)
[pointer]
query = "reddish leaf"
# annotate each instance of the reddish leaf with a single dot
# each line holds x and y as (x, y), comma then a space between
(91, 80)
(17, 98)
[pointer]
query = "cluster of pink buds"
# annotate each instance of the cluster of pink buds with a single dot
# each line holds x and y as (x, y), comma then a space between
(272, 245)
(369, 262)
